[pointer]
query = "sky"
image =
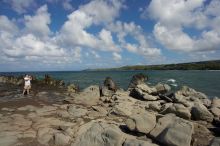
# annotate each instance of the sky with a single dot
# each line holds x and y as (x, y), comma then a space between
(68, 35)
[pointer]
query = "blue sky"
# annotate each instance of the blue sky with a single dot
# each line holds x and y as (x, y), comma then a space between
(40, 35)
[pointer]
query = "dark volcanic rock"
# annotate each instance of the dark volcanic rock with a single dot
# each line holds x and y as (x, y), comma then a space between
(137, 80)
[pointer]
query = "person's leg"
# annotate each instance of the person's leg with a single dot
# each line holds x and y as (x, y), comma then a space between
(23, 91)
(28, 91)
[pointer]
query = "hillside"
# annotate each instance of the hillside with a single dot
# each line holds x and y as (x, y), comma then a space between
(203, 65)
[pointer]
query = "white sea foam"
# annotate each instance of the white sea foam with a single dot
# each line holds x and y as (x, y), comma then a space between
(175, 85)
(171, 80)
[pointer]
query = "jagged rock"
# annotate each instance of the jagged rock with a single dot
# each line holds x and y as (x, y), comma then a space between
(215, 141)
(135, 142)
(99, 134)
(200, 112)
(143, 92)
(100, 109)
(72, 88)
(154, 106)
(122, 109)
(137, 79)
(173, 131)
(143, 123)
(150, 97)
(186, 91)
(106, 92)
(216, 102)
(110, 84)
(162, 88)
(178, 98)
(201, 136)
(147, 89)
(215, 111)
(89, 96)
(178, 109)
(61, 139)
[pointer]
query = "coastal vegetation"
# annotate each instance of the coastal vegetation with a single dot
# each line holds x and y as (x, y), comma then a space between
(203, 65)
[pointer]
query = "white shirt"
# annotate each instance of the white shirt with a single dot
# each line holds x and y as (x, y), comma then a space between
(27, 81)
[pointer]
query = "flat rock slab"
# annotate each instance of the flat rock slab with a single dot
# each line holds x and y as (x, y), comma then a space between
(173, 131)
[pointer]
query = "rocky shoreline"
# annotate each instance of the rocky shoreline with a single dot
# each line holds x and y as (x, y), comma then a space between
(106, 115)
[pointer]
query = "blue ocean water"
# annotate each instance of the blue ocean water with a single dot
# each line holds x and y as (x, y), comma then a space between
(207, 82)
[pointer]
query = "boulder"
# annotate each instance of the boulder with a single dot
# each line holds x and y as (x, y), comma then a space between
(178, 98)
(143, 123)
(173, 131)
(145, 88)
(215, 141)
(189, 92)
(72, 88)
(144, 92)
(135, 142)
(110, 84)
(162, 88)
(178, 109)
(215, 111)
(154, 106)
(201, 136)
(200, 112)
(45, 135)
(216, 102)
(136, 80)
(99, 134)
(106, 92)
(89, 96)
(61, 139)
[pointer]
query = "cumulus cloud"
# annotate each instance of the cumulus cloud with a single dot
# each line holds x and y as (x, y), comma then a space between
(73, 32)
(20, 6)
(116, 56)
(38, 24)
(28, 45)
(175, 16)
(142, 47)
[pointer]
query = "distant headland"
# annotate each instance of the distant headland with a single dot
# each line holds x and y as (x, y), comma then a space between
(202, 65)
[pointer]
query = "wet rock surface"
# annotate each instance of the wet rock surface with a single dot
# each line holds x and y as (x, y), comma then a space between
(141, 116)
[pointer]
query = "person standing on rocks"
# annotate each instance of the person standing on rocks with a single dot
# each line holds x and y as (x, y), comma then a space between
(27, 84)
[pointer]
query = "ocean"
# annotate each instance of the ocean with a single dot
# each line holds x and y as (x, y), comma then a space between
(204, 81)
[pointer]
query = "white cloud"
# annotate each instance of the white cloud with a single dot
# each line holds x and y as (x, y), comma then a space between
(97, 12)
(116, 56)
(142, 47)
(67, 5)
(175, 16)
(29, 46)
(7, 25)
(38, 24)
(20, 6)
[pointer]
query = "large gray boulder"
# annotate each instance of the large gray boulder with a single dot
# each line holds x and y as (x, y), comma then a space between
(144, 92)
(99, 134)
(162, 88)
(136, 80)
(178, 109)
(173, 131)
(216, 102)
(200, 112)
(135, 142)
(143, 123)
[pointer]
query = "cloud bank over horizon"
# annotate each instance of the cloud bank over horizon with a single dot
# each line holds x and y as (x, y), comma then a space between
(69, 35)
